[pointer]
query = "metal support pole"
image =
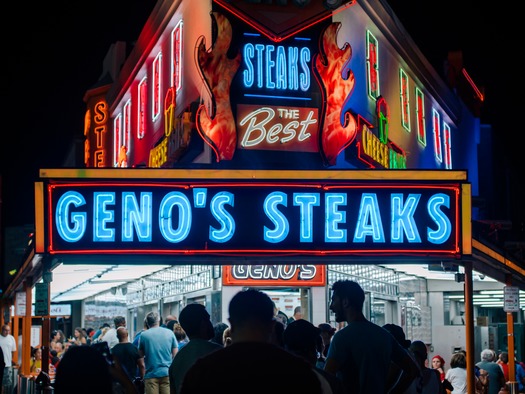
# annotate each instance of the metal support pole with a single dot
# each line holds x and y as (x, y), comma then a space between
(469, 328)
(513, 385)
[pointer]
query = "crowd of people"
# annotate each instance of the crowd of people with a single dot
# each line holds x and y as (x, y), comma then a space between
(260, 350)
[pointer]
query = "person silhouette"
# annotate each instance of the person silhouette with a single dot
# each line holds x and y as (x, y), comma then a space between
(251, 363)
(195, 321)
(84, 370)
(363, 354)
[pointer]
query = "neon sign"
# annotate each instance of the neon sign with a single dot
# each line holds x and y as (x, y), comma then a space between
(277, 128)
(99, 117)
(261, 218)
(270, 67)
(273, 275)
(378, 150)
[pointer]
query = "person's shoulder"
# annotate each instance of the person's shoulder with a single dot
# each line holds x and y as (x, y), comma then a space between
(202, 344)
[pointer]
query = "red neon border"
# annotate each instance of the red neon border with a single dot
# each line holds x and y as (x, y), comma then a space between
(271, 35)
(261, 252)
(318, 280)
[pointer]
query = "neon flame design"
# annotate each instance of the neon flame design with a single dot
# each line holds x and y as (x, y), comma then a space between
(217, 70)
(337, 83)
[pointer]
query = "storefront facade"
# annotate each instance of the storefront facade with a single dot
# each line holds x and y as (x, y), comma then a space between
(274, 146)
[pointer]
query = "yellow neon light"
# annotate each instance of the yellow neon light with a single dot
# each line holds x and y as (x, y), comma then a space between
(144, 173)
(498, 257)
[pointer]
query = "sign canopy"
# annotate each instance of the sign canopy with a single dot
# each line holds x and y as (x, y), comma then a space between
(259, 213)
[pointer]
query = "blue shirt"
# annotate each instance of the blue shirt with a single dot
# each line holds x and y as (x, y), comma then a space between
(157, 344)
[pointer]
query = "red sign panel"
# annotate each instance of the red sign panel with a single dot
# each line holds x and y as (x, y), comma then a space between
(277, 128)
(274, 275)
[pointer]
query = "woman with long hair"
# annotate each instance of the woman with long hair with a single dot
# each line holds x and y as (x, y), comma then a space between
(79, 337)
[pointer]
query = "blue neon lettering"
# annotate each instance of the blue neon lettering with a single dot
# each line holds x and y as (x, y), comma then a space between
(293, 69)
(78, 220)
(281, 74)
(305, 75)
(369, 220)
(270, 67)
(103, 216)
(227, 229)
(306, 212)
(171, 200)
(444, 227)
(306, 202)
(259, 48)
(276, 67)
(333, 217)
(282, 227)
(248, 73)
(136, 217)
(403, 218)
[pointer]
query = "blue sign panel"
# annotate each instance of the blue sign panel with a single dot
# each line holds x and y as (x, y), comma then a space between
(246, 217)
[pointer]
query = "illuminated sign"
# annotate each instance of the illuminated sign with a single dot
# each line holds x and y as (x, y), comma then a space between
(299, 14)
(95, 131)
(277, 128)
(377, 151)
(274, 275)
(247, 217)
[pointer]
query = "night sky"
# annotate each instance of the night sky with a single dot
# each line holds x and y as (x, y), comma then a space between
(54, 53)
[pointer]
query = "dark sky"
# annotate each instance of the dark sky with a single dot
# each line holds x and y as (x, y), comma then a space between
(55, 51)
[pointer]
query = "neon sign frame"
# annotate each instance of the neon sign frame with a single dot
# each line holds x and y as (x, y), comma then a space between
(240, 186)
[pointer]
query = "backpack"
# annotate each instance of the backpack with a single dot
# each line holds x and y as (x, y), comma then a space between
(482, 381)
